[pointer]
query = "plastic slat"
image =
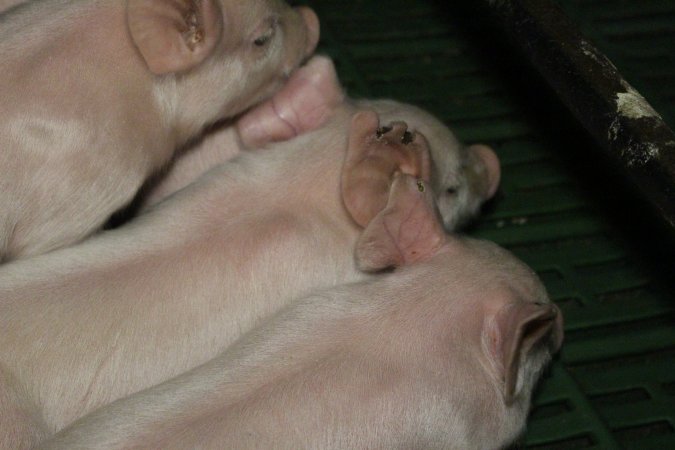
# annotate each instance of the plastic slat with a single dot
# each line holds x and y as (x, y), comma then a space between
(583, 419)
(623, 342)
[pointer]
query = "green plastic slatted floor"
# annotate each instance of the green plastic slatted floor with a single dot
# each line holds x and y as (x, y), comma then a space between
(603, 257)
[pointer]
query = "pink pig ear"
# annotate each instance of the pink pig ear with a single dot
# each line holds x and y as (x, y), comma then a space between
(174, 35)
(518, 328)
(374, 154)
(486, 166)
(409, 229)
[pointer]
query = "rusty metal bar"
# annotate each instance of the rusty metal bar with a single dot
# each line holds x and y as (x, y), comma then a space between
(618, 117)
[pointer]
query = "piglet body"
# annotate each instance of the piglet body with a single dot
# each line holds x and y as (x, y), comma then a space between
(97, 95)
(440, 354)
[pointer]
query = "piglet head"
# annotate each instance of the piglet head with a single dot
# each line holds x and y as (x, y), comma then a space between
(462, 177)
(471, 322)
(501, 309)
(385, 188)
(470, 325)
(228, 55)
(174, 36)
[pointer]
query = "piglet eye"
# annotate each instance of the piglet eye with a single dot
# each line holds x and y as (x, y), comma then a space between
(262, 40)
(267, 36)
(452, 190)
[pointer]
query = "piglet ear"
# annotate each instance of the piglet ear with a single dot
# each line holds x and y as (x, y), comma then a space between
(485, 166)
(518, 329)
(407, 230)
(374, 154)
(174, 35)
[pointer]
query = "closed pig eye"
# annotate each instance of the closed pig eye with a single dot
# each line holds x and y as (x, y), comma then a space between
(263, 39)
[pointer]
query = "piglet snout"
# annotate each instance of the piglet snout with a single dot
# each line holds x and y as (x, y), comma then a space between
(304, 104)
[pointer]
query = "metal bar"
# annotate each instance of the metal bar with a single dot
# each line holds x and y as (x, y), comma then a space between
(615, 114)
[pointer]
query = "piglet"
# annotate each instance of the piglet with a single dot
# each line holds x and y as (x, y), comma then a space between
(98, 94)
(462, 177)
(135, 306)
(443, 353)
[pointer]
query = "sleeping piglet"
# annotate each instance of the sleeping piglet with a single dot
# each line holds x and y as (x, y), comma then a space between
(135, 306)
(98, 94)
(462, 177)
(443, 353)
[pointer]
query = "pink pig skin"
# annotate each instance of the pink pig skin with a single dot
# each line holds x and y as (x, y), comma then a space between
(133, 307)
(98, 94)
(306, 102)
(409, 359)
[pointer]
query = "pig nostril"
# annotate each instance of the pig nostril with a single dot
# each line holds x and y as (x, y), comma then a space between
(381, 131)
